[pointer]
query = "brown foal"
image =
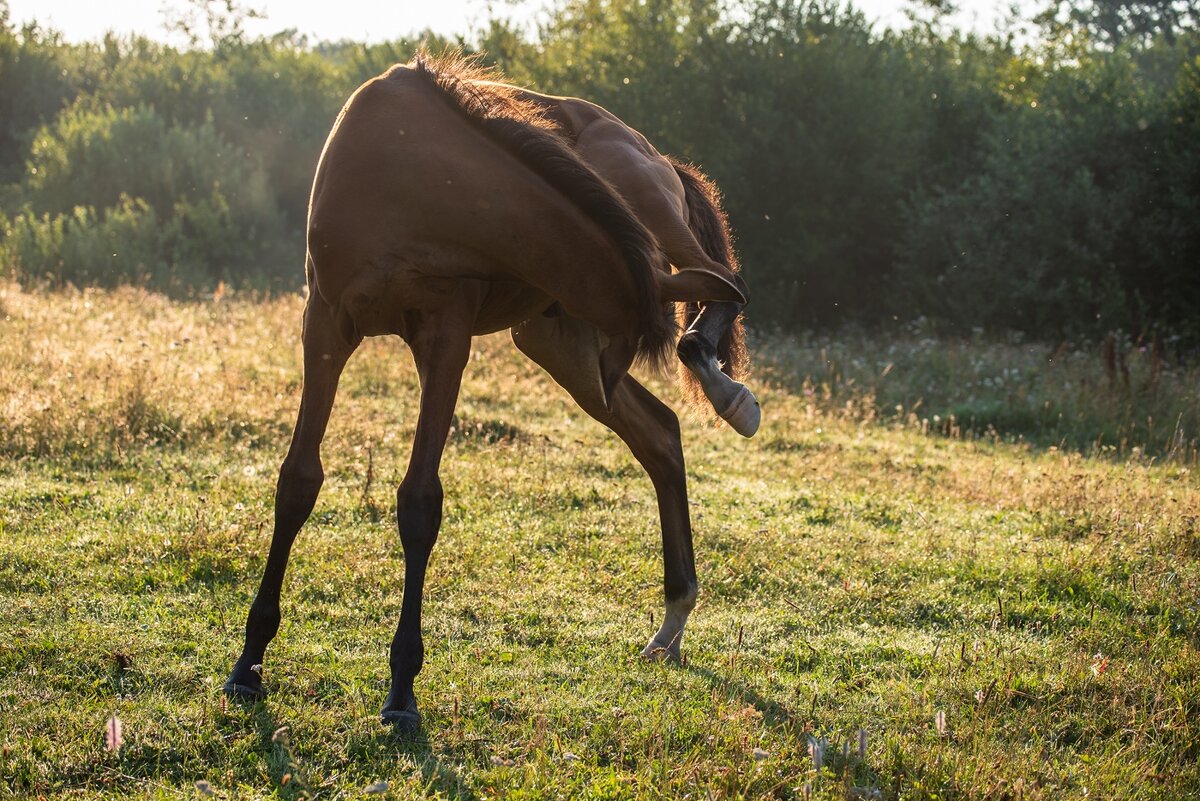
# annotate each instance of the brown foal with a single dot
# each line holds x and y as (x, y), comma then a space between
(446, 205)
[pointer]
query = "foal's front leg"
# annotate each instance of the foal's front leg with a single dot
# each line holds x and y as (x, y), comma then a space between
(300, 479)
(441, 347)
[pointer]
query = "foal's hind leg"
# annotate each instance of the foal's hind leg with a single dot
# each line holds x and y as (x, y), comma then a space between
(697, 349)
(568, 350)
(300, 479)
(698, 346)
(441, 346)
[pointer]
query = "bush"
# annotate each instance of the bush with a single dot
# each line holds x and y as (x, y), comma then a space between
(198, 209)
(1079, 220)
(125, 244)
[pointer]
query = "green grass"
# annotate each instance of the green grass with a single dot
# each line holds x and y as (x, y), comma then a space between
(854, 576)
(1112, 399)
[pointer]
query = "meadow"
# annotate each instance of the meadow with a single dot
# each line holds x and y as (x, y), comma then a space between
(898, 600)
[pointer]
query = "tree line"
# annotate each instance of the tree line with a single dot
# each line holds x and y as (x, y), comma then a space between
(1045, 182)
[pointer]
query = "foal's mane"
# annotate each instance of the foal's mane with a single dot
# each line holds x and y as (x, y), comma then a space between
(520, 127)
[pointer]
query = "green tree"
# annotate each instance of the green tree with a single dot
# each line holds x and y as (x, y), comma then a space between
(33, 88)
(1119, 22)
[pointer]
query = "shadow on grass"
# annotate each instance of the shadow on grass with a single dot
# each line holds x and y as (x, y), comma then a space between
(379, 746)
(438, 776)
(793, 724)
(776, 715)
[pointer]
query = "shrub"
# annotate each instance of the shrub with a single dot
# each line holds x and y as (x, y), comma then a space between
(125, 244)
(199, 210)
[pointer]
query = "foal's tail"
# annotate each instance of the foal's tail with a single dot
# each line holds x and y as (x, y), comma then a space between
(710, 227)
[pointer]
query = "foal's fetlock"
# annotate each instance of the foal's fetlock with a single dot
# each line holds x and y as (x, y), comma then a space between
(695, 351)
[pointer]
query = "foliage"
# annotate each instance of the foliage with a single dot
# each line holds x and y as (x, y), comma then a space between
(195, 208)
(33, 88)
(1048, 187)
(71, 247)
(1117, 22)
(1080, 219)
(219, 145)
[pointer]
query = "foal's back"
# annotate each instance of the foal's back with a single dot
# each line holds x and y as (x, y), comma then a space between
(412, 205)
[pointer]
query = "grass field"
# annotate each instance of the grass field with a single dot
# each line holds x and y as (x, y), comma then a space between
(885, 612)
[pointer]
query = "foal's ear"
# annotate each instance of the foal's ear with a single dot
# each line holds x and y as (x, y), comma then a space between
(695, 285)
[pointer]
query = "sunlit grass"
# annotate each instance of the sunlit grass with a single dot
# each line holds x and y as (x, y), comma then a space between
(856, 576)
(1114, 398)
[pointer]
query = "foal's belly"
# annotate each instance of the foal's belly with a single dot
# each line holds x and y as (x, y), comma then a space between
(509, 303)
(379, 301)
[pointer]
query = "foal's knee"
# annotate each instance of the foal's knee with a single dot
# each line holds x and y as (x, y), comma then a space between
(297, 490)
(419, 512)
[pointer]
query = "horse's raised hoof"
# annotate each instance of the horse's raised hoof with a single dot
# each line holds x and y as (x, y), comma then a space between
(402, 721)
(744, 414)
(730, 399)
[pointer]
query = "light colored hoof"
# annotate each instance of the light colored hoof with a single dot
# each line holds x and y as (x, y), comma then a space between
(657, 652)
(744, 415)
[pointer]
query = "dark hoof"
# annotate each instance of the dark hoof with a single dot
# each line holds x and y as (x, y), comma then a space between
(245, 681)
(244, 692)
(402, 721)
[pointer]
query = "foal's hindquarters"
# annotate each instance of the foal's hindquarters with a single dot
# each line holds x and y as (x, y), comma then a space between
(422, 226)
